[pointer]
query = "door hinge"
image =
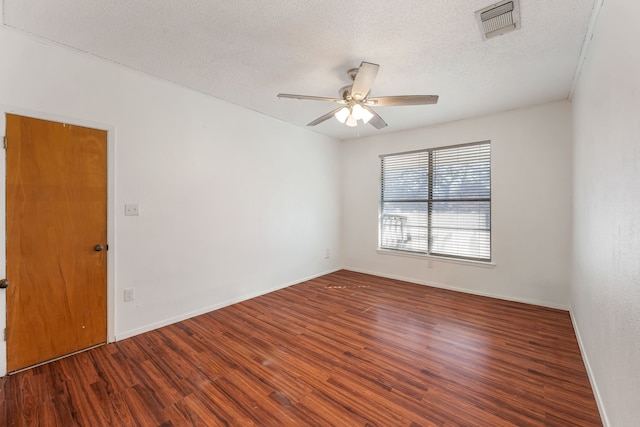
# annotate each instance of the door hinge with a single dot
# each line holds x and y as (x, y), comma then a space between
(5, 334)
(4, 143)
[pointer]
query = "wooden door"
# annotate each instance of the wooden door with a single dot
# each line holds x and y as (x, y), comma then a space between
(56, 217)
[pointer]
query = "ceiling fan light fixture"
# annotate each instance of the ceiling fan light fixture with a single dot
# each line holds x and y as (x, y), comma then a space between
(361, 113)
(351, 121)
(342, 114)
(356, 111)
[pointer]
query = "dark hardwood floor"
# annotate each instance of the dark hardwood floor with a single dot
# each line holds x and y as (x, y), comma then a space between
(346, 349)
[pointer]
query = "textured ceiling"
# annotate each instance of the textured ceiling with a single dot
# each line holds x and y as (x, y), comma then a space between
(247, 51)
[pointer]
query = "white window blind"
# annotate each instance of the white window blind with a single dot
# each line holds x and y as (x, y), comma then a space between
(438, 201)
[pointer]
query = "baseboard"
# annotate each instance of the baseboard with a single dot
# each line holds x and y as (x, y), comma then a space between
(175, 319)
(463, 290)
(592, 378)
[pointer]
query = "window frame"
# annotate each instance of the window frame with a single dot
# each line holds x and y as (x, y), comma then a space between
(429, 212)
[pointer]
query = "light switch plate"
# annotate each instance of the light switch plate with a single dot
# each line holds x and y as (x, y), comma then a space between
(131, 210)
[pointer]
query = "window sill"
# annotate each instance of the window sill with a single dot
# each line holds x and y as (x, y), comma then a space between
(482, 264)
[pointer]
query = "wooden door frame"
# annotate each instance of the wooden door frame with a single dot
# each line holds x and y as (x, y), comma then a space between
(111, 216)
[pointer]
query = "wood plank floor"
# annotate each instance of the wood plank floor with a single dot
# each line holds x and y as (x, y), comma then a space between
(346, 349)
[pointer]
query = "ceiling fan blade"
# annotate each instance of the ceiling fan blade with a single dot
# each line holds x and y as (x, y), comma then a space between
(364, 80)
(312, 98)
(327, 116)
(375, 121)
(390, 101)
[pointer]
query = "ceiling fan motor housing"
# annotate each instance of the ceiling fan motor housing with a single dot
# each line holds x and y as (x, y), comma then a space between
(345, 92)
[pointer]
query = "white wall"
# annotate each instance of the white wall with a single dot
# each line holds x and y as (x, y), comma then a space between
(233, 203)
(531, 205)
(605, 295)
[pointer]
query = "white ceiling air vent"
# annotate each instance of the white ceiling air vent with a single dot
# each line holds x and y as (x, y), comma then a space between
(499, 18)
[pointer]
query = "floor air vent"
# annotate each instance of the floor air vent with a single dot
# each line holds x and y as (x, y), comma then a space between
(346, 286)
(499, 18)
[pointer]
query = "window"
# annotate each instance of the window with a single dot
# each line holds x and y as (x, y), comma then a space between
(438, 202)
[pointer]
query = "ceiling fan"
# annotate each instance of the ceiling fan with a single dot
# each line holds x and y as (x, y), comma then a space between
(356, 103)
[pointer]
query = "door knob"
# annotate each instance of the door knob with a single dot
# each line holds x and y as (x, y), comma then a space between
(98, 248)
(4, 283)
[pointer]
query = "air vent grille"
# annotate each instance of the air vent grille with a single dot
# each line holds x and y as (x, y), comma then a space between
(499, 18)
